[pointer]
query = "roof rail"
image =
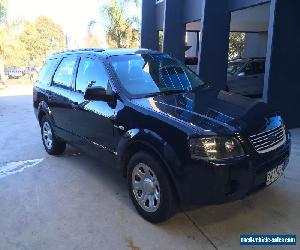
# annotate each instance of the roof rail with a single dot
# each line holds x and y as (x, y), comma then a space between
(81, 50)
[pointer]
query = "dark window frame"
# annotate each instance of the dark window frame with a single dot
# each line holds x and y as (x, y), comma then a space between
(72, 87)
(253, 68)
(47, 71)
(91, 57)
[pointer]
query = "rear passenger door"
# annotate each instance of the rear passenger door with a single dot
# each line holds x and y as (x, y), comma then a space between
(60, 99)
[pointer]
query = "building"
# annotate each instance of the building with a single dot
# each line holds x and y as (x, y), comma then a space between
(272, 30)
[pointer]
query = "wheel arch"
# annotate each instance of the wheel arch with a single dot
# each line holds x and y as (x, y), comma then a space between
(145, 140)
(43, 109)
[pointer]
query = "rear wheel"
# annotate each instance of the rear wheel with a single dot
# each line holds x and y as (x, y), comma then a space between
(150, 188)
(52, 144)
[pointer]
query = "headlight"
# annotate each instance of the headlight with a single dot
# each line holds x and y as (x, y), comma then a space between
(215, 148)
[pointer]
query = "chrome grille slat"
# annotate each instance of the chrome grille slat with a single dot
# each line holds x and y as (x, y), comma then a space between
(266, 136)
(259, 134)
(270, 144)
(269, 131)
(268, 140)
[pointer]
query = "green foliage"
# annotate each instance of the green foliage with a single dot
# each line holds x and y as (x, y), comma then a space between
(3, 9)
(236, 45)
(3, 35)
(160, 40)
(33, 42)
(121, 31)
(41, 39)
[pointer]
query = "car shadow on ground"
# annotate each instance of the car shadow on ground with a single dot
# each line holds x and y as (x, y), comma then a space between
(250, 215)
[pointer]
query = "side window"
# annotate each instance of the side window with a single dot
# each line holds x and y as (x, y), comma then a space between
(64, 73)
(259, 67)
(249, 69)
(91, 72)
(46, 72)
(254, 68)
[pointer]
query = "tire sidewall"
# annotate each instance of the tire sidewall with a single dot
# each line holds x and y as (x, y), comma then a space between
(58, 146)
(44, 120)
(166, 207)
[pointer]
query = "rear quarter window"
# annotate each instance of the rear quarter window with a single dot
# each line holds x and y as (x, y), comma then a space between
(64, 74)
(47, 71)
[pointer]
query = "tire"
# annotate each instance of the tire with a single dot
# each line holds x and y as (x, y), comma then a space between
(52, 144)
(153, 184)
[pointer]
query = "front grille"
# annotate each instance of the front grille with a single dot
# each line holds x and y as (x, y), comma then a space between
(269, 140)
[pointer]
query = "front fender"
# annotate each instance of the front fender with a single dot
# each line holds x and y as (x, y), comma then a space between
(153, 141)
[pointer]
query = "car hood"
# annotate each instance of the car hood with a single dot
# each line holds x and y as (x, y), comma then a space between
(211, 111)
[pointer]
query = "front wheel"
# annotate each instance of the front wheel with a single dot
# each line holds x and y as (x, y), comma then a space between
(150, 188)
(52, 144)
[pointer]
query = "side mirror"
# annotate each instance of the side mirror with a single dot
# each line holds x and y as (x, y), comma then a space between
(97, 94)
(242, 73)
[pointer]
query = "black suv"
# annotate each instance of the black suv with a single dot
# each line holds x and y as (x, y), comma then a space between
(180, 142)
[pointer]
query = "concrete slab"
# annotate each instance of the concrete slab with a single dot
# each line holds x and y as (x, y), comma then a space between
(70, 202)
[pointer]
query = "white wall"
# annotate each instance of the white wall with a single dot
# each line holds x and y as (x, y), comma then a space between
(191, 40)
(256, 44)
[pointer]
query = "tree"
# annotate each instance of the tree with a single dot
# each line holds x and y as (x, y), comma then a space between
(121, 31)
(12, 43)
(51, 35)
(3, 37)
(41, 39)
(91, 40)
(3, 9)
(236, 45)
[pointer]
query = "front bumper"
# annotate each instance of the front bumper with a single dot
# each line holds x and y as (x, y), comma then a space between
(220, 182)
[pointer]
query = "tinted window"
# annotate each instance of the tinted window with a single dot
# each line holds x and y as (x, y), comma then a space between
(154, 74)
(259, 67)
(64, 73)
(254, 68)
(47, 70)
(91, 72)
(234, 67)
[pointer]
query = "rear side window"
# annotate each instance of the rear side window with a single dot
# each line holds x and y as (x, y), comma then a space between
(47, 71)
(254, 68)
(91, 72)
(259, 67)
(64, 74)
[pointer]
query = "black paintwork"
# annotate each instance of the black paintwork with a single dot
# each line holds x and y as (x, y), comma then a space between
(114, 130)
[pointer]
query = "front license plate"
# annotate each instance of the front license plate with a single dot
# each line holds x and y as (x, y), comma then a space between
(274, 174)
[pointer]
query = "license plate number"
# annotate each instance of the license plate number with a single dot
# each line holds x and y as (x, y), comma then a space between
(274, 174)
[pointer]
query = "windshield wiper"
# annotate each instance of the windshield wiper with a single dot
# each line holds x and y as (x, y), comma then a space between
(174, 91)
(169, 92)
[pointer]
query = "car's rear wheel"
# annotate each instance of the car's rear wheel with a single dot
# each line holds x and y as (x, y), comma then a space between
(52, 144)
(150, 188)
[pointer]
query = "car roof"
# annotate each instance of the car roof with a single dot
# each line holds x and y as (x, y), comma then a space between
(106, 53)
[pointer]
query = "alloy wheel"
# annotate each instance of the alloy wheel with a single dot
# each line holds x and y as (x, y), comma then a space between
(47, 135)
(145, 187)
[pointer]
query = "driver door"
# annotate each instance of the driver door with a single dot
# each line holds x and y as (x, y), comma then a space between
(93, 121)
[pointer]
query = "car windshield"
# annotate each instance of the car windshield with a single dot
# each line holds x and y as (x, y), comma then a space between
(234, 67)
(154, 74)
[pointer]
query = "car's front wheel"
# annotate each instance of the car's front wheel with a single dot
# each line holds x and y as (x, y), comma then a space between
(150, 188)
(52, 144)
